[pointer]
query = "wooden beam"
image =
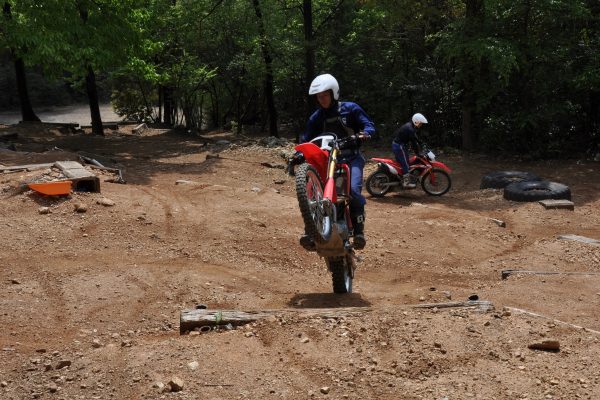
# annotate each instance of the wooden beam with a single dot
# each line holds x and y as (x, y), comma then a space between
(198, 319)
(191, 319)
(507, 272)
(533, 314)
(581, 239)
(479, 304)
(28, 167)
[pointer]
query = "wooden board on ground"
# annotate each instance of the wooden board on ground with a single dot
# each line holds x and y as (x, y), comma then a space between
(564, 204)
(582, 239)
(83, 180)
(191, 319)
(196, 319)
(106, 125)
(26, 167)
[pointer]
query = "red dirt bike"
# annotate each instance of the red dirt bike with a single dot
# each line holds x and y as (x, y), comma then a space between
(434, 176)
(323, 191)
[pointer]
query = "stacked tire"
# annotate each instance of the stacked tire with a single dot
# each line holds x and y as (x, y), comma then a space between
(525, 186)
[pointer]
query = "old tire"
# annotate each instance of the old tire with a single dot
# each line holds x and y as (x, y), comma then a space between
(501, 179)
(309, 191)
(536, 190)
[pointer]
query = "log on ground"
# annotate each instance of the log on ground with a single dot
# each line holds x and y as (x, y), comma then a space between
(191, 319)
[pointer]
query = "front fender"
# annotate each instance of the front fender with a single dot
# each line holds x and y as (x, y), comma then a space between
(441, 165)
(316, 157)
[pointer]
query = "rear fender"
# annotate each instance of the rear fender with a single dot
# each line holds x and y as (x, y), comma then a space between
(388, 168)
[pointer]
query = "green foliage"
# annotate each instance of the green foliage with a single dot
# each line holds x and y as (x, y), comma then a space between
(527, 72)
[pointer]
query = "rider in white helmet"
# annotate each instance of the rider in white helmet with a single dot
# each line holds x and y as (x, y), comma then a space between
(403, 136)
(344, 119)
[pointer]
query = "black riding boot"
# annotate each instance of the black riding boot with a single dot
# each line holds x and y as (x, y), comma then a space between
(358, 222)
(307, 242)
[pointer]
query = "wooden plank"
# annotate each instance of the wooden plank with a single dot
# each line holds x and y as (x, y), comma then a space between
(533, 314)
(582, 239)
(191, 319)
(28, 167)
(479, 304)
(106, 125)
(564, 204)
(507, 272)
(198, 319)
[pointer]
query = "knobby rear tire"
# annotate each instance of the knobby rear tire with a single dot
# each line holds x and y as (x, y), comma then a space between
(374, 182)
(342, 273)
(309, 191)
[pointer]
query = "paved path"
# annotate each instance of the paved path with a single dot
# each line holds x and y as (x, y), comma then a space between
(79, 113)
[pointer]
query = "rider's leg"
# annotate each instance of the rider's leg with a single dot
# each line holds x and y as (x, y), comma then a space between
(357, 203)
(402, 157)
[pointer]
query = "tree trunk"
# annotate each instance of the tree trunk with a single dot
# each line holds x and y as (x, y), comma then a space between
(467, 134)
(309, 57)
(264, 46)
(92, 92)
(27, 113)
(473, 23)
(168, 109)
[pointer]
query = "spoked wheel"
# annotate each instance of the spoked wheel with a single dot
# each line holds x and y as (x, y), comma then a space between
(310, 199)
(342, 273)
(377, 184)
(436, 182)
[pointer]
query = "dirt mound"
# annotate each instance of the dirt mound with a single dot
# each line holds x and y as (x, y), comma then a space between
(93, 285)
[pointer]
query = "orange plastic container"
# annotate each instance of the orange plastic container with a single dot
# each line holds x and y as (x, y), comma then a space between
(57, 188)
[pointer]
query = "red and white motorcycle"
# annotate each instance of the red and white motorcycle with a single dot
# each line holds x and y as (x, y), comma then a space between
(433, 176)
(323, 191)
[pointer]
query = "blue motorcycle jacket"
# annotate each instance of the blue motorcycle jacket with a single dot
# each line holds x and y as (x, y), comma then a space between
(351, 116)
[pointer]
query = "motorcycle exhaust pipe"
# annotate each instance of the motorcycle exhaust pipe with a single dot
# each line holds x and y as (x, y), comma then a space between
(390, 184)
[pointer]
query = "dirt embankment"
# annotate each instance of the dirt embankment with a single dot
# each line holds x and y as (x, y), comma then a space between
(90, 301)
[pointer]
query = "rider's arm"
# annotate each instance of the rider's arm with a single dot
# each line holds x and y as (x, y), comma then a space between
(313, 127)
(366, 125)
(416, 143)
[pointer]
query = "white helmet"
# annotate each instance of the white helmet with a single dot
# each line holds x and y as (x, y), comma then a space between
(325, 82)
(419, 118)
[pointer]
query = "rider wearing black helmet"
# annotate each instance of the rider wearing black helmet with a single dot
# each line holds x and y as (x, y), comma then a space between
(404, 135)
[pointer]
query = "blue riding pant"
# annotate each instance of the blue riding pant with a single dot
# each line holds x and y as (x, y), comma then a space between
(401, 154)
(356, 163)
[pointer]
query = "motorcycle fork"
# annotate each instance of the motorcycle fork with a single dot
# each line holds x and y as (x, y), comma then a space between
(330, 193)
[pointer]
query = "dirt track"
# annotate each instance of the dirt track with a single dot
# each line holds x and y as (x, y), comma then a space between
(103, 290)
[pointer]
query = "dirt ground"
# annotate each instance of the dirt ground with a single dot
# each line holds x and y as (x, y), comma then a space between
(90, 301)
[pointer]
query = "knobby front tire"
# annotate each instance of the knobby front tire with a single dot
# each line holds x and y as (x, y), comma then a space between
(436, 182)
(309, 191)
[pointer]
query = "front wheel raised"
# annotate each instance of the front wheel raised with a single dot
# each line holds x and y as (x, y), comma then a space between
(436, 182)
(378, 184)
(342, 273)
(309, 191)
